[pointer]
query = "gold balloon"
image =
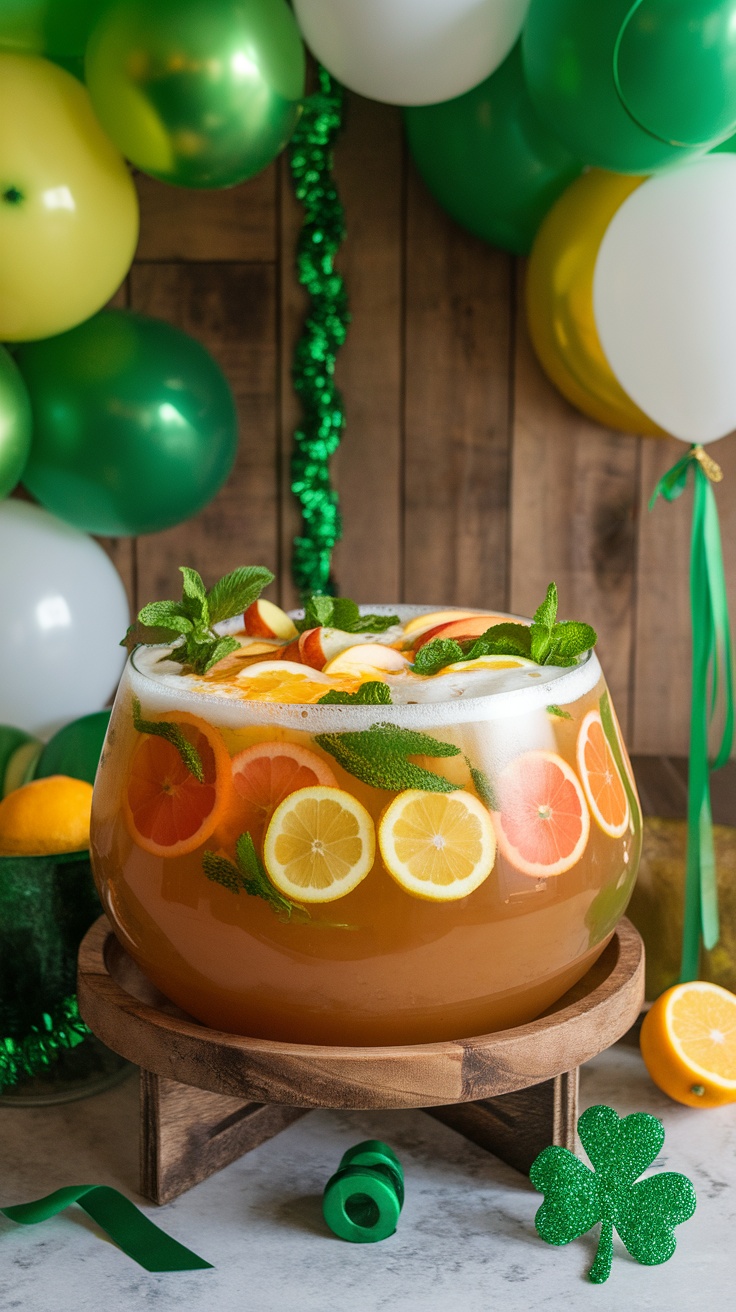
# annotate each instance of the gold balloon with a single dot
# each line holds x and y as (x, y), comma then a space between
(559, 300)
(68, 207)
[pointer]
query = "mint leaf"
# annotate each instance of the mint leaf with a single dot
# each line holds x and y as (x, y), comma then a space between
(557, 710)
(507, 639)
(343, 614)
(213, 655)
(318, 611)
(237, 591)
(194, 596)
(373, 693)
(172, 734)
(166, 614)
(546, 615)
(436, 654)
(377, 757)
(257, 883)
(483, 788)
(222, 871)
(148, 635)
(569, 640)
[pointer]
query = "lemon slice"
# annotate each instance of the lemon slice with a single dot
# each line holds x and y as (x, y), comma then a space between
(437, 846)
(283, 681)
(319, 845)
(489, 663)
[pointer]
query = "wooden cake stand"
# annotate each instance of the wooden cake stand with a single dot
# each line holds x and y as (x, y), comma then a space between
(208, 1097)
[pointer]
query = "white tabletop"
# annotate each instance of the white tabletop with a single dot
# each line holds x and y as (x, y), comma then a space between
(466, 1237)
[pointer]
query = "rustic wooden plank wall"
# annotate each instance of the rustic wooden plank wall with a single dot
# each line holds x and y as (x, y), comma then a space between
(465, 478)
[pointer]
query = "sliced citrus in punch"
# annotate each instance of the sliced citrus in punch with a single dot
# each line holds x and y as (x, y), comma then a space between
(46, 817)
(320, 844)
(167, 810)
(543, 823)
(688, 1042)
(489, 663)
(600, 778)
(263, 775)
(283, 681)
(437, 846)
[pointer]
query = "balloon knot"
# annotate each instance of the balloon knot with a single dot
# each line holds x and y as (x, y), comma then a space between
(710, 468)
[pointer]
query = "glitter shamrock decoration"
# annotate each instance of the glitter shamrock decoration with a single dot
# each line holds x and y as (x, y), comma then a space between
(576, 1198)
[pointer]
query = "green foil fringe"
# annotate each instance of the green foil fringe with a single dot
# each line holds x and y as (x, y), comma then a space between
(61, 1028)
(323, 414)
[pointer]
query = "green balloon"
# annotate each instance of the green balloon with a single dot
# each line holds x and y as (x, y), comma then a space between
(568, 49)
(75, 750)
(489, 159)
(19, 752)
(675, 69)
(200, 93)
(56, 28)
(134, 424)
(15, 424)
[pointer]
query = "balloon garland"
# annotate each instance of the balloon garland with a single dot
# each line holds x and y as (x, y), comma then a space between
(318, 436)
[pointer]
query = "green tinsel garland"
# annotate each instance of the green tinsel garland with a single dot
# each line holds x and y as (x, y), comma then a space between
(318, 436)
(61, 1028)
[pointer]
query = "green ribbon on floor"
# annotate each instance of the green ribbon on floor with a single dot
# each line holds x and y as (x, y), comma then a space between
(120, 1219)
(712, 689)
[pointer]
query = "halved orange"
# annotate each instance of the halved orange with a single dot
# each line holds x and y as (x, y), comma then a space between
(167, 810)
(543, 823)
(688, 1042)
(601, 780)
(263, 775)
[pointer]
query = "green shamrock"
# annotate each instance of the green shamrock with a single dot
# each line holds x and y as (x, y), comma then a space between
(576, 1198)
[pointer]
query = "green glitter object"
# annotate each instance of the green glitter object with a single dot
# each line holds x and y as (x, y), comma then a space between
(60, 1029)
(323, 419)
(576, 1198)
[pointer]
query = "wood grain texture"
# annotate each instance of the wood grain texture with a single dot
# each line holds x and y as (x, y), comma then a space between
(238, 224)
(457, 410)
(119, 1006)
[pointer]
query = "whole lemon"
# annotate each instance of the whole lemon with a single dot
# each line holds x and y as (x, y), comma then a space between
(46, 817)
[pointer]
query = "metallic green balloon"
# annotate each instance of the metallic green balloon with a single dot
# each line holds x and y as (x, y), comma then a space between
(15, 424)
(134, 424)
(200, 93)
(57, 29)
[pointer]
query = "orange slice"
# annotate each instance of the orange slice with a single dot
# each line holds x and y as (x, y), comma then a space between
(283, 681)
(167, 810)
(437, 846)
(543, 824)
(263, 775)
(688, 1042)
(320, 845)
(601, 780)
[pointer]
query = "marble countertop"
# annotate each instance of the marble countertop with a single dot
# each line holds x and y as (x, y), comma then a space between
(466, 1237)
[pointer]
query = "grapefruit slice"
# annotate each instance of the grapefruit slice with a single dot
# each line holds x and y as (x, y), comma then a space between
(437, 846)
(543, 823)
(263, 775)
(320, 845)
(167, 810)
(601, 780)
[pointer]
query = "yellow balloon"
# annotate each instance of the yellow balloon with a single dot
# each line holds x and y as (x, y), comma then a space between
(559, 301)
(68, 207)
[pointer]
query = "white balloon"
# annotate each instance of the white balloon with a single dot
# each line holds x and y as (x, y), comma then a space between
(664, 297)
(63, 613)
(411, 52)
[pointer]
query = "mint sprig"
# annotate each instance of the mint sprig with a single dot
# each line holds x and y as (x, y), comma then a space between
(188, 623)
(172, 734)
(378, 757)
(343, 614)
(373, 693)
(249, 876)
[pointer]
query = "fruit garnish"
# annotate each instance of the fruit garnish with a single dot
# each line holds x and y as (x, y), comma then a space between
(47, 817)
(168, 810)
(249, 876)
(318, 646)
(688, 1042)
(600, 778)
(489, 663)
(319, 845)
(614, 738)
(341, 613)
(362, 660)
(263, 775)
(543, 823)
(437, 846)
(433, 619)
(372, 693)
(189, 623)
(283, 681)
(378, 756)
(262, 619)
(461, 630)
(169, 730)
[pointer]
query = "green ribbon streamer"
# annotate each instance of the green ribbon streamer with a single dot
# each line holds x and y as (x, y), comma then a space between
(712, 682)
(61, 1028)
(120, 1219)
(318, 436)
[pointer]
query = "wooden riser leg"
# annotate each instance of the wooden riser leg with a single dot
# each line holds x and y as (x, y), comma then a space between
(517, 1126)
(188, 1134)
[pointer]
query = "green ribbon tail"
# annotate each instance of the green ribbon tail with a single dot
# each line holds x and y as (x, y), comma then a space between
(120, 1219)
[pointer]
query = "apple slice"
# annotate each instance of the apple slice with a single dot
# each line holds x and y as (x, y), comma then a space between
(433, 619)
(320, 645)
(264, 620)
(470, 627)
(367, 660)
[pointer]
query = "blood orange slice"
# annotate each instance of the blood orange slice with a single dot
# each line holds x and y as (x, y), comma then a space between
(167, 809)
(601, 780)
(263, 776)
(543, 823)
